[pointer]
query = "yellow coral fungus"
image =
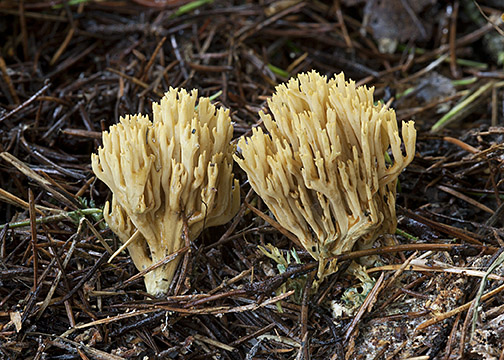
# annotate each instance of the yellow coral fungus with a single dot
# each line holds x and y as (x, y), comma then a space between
(322, 169)
(174, 170)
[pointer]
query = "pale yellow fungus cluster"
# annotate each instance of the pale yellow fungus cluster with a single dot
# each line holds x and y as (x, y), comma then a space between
(322, 169)
(327, 169)
(172, 172)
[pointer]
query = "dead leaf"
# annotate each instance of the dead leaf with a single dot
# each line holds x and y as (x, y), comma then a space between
(15, 317)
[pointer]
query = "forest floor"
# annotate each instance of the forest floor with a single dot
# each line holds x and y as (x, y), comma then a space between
(69, 70)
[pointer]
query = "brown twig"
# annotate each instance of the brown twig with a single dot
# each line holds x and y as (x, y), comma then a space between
(8, 81)
(26, 103)
(33, 231)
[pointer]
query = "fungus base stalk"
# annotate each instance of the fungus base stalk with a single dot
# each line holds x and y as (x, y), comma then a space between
(166, 240)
